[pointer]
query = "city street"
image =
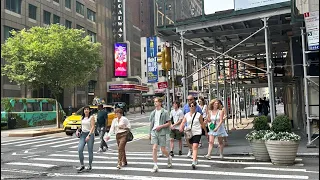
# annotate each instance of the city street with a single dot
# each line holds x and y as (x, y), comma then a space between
(55, 156)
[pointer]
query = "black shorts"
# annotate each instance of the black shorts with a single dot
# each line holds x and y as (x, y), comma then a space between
(195, 139)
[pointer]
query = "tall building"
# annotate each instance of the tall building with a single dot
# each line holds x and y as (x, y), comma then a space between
(93, 16)
(176, 10)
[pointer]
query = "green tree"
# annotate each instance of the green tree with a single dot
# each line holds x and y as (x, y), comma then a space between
(54, 56)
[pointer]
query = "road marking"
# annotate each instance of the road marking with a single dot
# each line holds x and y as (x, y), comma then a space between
(26, 151)
(175, 159)
(92, 175)
(221, 173)
(55, 139)
(115, 162)
(39, 145)
(30, 156)
(26, 140)
(279, 169)
(31, 164)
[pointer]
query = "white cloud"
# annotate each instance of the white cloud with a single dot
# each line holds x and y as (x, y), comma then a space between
(211, 6)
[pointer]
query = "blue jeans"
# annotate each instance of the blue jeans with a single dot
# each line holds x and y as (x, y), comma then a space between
(82, 143)
(102, 131)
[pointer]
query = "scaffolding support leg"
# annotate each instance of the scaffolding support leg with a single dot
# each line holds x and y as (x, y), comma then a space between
(184, 69)
(306, 86)
(265, 20)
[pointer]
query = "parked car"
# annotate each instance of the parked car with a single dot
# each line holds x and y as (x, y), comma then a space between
(73, 122)
(121, 105)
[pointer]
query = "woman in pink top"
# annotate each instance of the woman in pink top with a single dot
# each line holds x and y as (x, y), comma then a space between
(120, 126)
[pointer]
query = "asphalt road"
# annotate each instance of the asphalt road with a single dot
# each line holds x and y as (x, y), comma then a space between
(55, 156)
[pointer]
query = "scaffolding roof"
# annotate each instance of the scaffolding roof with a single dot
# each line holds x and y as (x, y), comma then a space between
(223, 30)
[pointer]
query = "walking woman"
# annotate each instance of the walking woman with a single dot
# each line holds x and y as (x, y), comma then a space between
(216, 127)
(86, 134)
(225, 141)
(120, 126)
(193, 120)
(204, 109)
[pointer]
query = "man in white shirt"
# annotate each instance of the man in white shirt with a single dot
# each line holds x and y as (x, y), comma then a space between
(176, 116)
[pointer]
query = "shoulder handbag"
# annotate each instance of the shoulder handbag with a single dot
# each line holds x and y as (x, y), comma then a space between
(188, 132)
(213, 125)
(129, 135)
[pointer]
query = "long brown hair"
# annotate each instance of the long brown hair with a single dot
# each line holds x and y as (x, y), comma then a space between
(212, 103)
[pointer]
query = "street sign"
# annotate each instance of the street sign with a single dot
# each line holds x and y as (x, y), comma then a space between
(162, 85)
(312, 29)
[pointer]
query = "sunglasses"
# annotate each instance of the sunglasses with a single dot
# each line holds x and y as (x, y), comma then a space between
(189, 99)
(191, 105)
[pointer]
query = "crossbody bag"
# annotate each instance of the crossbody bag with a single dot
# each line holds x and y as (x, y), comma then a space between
(188, 131)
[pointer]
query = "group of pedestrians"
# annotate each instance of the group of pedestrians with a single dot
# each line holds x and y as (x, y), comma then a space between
(192, 122)
(263, 106)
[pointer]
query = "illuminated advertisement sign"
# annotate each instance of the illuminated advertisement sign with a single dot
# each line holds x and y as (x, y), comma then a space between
(128, 87)
(152, 66)
(120, 60)
(247, 4)
(117, 25)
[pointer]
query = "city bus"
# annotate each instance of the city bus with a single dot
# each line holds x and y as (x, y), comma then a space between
(29, 112)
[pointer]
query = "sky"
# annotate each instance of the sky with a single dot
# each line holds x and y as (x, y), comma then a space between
(211, 6)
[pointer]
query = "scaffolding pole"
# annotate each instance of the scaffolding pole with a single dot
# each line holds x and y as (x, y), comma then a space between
(306, 91)
(265, 20)
(184, 69)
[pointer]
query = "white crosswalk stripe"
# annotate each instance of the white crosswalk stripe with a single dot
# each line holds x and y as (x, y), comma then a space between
(104, 166)
(54, 142)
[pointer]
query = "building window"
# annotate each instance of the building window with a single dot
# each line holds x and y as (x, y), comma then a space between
(80, 8)
(68, 24)
(144, 49)
(79, 27)
(57, 1)
(68, 4)
(145, 74)
(14, 6)
(56, 19)
(93, 36)
(46, 17)
(7, 33)
(91, 15)
(145, 61)
(32, 12)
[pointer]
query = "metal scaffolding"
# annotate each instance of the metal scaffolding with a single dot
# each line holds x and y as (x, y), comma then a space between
(307, 79)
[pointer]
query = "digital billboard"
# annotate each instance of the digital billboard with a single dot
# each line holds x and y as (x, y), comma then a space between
(120, 60)
(247, 4)
(152, 65)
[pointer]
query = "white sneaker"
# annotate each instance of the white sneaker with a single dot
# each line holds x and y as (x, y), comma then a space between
(100, 150)
(207, 157)
(189, 154)
(154, 169)
(221, 156)
(169, 161)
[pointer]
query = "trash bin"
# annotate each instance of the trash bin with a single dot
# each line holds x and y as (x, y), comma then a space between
(12, 122)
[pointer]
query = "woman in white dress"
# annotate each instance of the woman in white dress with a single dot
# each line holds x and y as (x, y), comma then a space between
(216, 127)
(204, 109)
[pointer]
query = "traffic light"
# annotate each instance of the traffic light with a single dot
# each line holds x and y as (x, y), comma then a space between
(167, 58)
(161, 59)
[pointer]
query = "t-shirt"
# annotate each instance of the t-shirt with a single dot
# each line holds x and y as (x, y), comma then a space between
(196, 127)
(86, 124)
(157, 119)
(177, 115)
(102, 117)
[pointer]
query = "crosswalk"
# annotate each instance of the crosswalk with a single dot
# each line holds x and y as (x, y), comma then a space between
(70, 142)
(140, 164)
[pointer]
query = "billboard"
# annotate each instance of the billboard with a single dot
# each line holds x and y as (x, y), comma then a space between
(152, 65)
(312, 27)
(247, 4)
(120, 60)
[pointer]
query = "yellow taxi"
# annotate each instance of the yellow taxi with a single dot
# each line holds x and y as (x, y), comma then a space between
(73, 122)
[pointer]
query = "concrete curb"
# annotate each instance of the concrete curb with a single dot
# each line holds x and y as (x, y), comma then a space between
(35, 133)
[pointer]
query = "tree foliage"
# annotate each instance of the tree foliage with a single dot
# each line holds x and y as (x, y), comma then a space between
(54, 56)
